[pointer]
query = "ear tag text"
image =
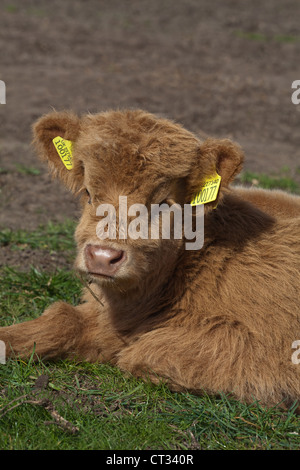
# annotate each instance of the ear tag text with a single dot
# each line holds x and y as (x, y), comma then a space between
(64, 150)
(208, 192)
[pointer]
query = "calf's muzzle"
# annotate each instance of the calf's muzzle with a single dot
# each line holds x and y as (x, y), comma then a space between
(102, 260)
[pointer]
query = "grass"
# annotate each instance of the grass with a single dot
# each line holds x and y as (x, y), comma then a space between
(53, 237)
(108, 410)
(114, 412)
(27, 170)
(261, 37)
(283, 180)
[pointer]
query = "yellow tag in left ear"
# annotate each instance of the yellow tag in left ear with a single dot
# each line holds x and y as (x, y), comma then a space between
(64, 150)
(208, 192)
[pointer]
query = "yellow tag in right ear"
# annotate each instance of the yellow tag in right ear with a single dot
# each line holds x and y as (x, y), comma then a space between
(208, 192)
(64, 150)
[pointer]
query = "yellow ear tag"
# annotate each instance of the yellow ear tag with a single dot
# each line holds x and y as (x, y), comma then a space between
(64, 150)
(208, 192)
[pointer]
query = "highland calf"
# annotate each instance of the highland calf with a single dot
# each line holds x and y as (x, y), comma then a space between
(220, 319)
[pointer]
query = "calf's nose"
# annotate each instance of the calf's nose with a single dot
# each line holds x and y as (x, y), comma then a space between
(102, 260)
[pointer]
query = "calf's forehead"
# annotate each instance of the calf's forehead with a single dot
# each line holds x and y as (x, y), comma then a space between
(127, 152)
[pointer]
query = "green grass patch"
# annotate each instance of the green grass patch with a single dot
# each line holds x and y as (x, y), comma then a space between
(253, 36)
(113, 412)
(11, 8)
(27, 170)
(52, 237)
(282, 181)
(25, 295)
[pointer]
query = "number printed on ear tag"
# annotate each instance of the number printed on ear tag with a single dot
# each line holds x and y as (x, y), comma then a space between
(64, 150)
(208, 192)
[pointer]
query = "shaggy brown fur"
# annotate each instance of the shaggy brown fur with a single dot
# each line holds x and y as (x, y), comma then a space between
(220, 319)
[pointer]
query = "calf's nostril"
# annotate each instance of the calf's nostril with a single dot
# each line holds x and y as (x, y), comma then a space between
(102, 260)
(117, 258)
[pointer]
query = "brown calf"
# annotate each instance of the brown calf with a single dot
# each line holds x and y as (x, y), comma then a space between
(222, 318)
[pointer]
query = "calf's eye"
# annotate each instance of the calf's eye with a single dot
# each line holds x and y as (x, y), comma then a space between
(169, 201)
(89, 201)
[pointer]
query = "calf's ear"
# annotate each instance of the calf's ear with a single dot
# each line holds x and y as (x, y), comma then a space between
(59, 124)
(221, 156)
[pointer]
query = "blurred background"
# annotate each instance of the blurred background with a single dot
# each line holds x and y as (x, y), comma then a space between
(221, 68)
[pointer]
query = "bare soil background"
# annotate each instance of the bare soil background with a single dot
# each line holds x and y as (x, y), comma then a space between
(220, 68)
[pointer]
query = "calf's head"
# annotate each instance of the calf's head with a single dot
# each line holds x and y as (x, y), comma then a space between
(124, 158)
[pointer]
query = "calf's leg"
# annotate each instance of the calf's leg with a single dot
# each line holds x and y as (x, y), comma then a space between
(56, 334)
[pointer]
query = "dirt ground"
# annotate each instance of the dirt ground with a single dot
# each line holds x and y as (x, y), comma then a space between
(222, 68)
